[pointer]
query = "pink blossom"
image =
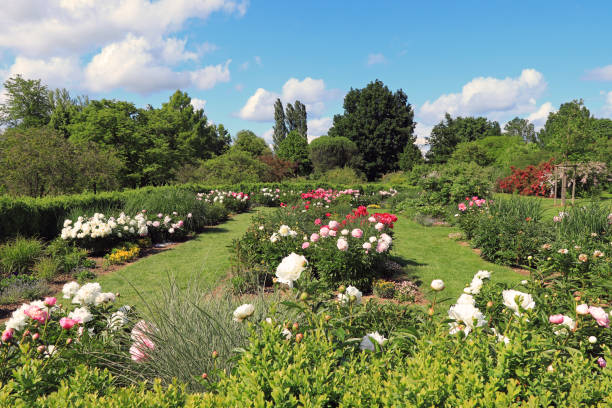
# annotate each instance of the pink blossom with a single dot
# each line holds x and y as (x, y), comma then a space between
(317, 221)
(556, 319)
(305, 245)
(379, 226)
(342, 244)
(474, 198)
(462, 207)
(36, 313)
(67, 323)
(600, 316)
(156, 224)
(334, 225)
(356, 233)
(602, 362)
(314, 237)
(139, 350)
(50, 301)
(160, 215)
(366, 246)
(582, 309)
(324, 232)
(332, 233)
(471, 203)
(372, 219)
(7, 334)
(382, 246)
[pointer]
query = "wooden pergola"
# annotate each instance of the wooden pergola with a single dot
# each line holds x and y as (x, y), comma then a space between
(562, 169)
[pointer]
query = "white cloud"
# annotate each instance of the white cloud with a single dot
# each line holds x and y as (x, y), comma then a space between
(318, 127)
(208, 77)
(57, 27)
(244, 66)
(538, 118)
(55, 72)
(133, 64)
(422, 132)
(599, 74)
(267, 136)
(173, 51)
(376, 59)
(198, 103)
(311, 92)
(607, 108)
(488, 96)
(257, 59)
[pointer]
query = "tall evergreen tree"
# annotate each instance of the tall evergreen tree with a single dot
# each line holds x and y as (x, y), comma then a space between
(280, 128)
(291, 117)
(301, 117)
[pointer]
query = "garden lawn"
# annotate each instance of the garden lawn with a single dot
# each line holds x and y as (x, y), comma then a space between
(427, 254)
(206, 258)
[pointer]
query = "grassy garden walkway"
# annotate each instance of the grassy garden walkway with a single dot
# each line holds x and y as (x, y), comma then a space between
(205, 258)
(426, 253)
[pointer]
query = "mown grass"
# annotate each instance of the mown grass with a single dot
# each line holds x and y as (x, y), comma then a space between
(427, 254)
(205, 259)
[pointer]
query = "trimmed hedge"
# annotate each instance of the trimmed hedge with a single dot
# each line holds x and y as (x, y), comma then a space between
(43, 217)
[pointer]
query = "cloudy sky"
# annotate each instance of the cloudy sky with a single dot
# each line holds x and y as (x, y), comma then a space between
(234, 58)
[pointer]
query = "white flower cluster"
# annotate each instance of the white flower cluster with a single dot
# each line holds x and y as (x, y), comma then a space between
(350, 291)
(388, 193)
(283, 231)
(218, 196)
(98, 226)
(466, 315)
(291, 268)
(517, 301)
(477, 282)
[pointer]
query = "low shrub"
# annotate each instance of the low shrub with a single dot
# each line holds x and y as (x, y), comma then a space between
(123, 254)
(18, 288)
(46, 269)
(384, 289)
(19, 255)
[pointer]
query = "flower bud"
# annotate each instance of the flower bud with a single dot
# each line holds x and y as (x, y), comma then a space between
(299, 337)
(341, 289)
(352, 298)
(327, 318)
(489, 304)
(204, 376)
(304, 296)
(35, 336)
(68, 341)
(430, 311)
(40, 348)
(215, 354)
(550, 369)
(295, 326)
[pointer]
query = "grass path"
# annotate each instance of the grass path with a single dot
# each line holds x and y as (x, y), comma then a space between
(205, 258)
(427, 253)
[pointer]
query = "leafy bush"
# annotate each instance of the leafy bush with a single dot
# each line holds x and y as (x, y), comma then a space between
(341, 175)
(533, 180)
(19, 255)
(22, 287)
(46, 269)
(384, 289)
(328, 152)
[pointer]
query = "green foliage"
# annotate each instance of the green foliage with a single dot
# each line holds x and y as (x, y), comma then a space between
(280, 128)
(22, 287)
(467, 152)
(521, 128)
(447, 134)
(19, 255)
(453, 182)
(249, 142)
(39, 161)
(27, 103)
(380, 123)
(46, 269)
(384, 289)
(328, 152)
(341, 176)
(236, 166)
(296, 118)
(294, 148)
(410, 157)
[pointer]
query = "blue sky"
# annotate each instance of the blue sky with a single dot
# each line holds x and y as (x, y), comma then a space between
(497, 59)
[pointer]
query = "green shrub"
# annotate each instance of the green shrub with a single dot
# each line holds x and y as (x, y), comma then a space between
(22, 287)
(46, 269)
(328, 152)
(19, 255)
(345, 175)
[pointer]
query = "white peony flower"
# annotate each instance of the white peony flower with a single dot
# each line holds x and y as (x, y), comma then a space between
(350, 291)
(243, 311)
(474, 287)
(592, 339)
(511, 297)
(87, 294)
(466, 317)
(284, 230)
(274, 237)
(70, 289)
(18, 318)
(483, 275)
(344, 232)
(290, 268)
(81, 314)
(466, 299)
(104, 298)
(372, 239)
(437, 285)
(286, 333)
(367, 344)
(342, 244)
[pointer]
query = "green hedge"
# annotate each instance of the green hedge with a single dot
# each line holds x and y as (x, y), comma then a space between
(43, 217)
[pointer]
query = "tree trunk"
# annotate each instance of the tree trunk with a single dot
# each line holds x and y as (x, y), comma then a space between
(563, 186)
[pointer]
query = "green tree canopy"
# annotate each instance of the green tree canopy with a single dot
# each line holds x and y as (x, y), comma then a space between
(521, 127)
(295, 148)
(410, 157)
(249, 142)
(328, 152)
(27, 103)
(280, 128)
(380, 123)
(447, 134)
(233, 167)
(40, 161)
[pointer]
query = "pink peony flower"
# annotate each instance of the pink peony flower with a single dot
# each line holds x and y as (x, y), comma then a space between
(334, 225)
(305, 245)
(342, 244)
(382, 246)
(160, 215)
(462, 207)
(602, 362)
(600, 316)
(67, 323)
(379, 226)
(324, 232)
(314, 237)
(556, 319)
(471, 203)
(7, 334)
(36, 313)
(367, 246)
(318, 221)
(332, 233)
(50, 301)
(356, 233)
(474, 198)
(139, 350)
